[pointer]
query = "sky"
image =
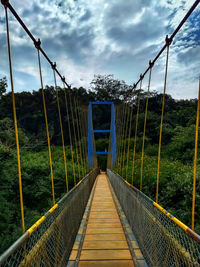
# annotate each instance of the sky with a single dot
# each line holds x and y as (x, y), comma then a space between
(119, 37)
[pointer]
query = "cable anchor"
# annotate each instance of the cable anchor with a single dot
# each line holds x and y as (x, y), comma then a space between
(37, 44)
(168, 40)
(5, 3)
(53, 65)
(151, 64)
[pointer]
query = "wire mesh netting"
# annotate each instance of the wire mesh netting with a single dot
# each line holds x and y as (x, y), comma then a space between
(161, 240)
(51, 243)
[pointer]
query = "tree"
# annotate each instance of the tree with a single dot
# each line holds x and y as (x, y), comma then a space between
(106, 87)
(3, 86)
(7, 134)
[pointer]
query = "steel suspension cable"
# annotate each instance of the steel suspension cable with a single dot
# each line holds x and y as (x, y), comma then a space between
(61, 127)
(84, 149)
(129, 138)
(121, 121)
(84, 125)
(46, 123)
(145, 122)
(80, 125)
(195, 159)
(118, 129)
(120, 139)
(15, 123)
(168, 42)
(74, 131)
(136, 128)
(82, 141)
(125, 139)
(78, 135)
(123, 136)
(94, 150)
(81, 121)
(85, 117)
(109, 152)
(117, 134)
(70, 134)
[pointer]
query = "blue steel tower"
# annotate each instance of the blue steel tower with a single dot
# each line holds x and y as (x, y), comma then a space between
(112, 132)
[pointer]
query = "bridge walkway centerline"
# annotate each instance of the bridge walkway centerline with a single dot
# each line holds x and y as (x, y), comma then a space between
(104, 241)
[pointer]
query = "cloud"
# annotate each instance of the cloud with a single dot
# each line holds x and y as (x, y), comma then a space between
(103, 37)
(87, 15)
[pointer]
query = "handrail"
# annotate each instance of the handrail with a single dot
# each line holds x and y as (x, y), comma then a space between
(181, 225)
(22, 240)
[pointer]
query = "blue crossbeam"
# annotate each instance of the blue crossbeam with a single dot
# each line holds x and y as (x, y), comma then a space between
(102, 153)
(101, 103)
(101, 131)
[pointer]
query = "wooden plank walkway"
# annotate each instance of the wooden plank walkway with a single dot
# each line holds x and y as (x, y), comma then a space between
(104, 242)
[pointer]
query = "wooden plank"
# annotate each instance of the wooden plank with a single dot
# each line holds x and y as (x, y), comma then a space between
(96, 213)
(107, 203)
(123, 254)
(105, 237)
(103, 204)
(76, 245)
(102, 244)
(99, 200)
(138, 254)
(101, 210)
(103, 230)
(112, 215)
(106, 225)
(73, 255)
(106, 198)
(110, 263)
(103, 220)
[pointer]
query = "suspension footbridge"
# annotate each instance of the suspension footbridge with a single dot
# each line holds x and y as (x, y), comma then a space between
(102, 219)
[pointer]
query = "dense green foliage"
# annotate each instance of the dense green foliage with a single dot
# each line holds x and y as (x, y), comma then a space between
(175, 186)
(177, 153)
(36, 187)
(176, 173)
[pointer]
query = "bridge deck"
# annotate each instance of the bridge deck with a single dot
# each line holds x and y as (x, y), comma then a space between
(104, 242)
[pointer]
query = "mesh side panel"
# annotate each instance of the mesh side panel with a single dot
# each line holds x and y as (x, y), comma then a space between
(162, 242)
(51, 243)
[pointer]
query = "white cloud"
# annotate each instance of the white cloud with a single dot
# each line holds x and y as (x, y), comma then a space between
(117, 37)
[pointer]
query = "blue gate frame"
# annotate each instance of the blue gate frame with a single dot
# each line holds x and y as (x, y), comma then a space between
(91, 132)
